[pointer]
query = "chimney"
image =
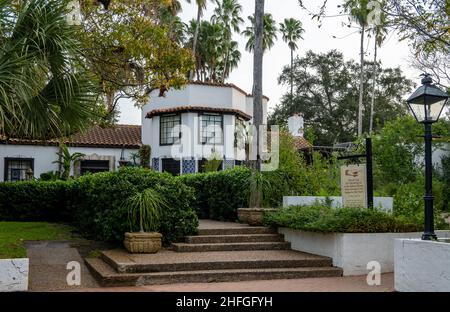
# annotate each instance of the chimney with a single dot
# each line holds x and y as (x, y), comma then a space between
(296, 125)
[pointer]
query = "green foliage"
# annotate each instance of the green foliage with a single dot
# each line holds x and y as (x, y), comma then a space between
(145, 152)
(97, 202)
(446, 181)
(343, 220)
(66, 159)
(34, 201)
(50, 176)
(44, 90)
(326, 91)
(218, 195)
(145, 208)
(269, 33)
(258, 186)
(212, 164)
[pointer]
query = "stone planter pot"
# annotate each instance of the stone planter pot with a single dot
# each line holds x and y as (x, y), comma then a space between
(142, 242)
(253, 216)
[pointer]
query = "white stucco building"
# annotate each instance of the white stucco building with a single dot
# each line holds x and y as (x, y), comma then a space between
(183, 128)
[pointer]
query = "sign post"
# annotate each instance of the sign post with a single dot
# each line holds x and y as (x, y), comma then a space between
(354, 186)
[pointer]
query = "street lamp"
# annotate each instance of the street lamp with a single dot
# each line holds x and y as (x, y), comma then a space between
(427, 104)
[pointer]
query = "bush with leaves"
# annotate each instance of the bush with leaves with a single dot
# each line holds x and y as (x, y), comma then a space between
(97, 203)
(35, 201)
(343, 220)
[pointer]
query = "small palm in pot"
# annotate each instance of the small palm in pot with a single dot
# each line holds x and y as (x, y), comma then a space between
(144, 209)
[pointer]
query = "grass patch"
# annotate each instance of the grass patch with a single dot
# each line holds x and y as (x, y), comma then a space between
(13, 234)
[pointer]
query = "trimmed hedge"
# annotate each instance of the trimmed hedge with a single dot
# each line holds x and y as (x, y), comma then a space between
(343, 220)
(97, 203)
(219, 194)
(93, 203)
(34, 201)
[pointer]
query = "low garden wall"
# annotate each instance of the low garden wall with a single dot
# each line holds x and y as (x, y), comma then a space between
(422, 266)
(14, 275)
(351, 251)
(383, 203)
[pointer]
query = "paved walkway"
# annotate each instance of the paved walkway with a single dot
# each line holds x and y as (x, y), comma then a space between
(328, 284)
(48, 266)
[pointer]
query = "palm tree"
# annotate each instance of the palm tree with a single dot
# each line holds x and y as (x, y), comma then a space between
(227, 13)
(257, 31)
(201, 6)
(66, 159)
(379, 36)
(44, 92)
(269, 33)
(292, 31)
(358, 11)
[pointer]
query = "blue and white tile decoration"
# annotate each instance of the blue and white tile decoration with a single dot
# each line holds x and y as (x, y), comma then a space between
(228, 164)
(188, 166)
(155, 164)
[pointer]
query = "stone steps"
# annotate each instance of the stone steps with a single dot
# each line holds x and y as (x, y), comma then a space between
(185, 247)
(234, 238)
(241, 230)
(233, 252)
(107, 276)
(169, 261)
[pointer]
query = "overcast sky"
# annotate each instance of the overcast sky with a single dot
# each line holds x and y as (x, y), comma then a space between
(392, 54)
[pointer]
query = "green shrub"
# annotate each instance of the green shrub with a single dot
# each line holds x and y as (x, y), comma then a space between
(97, 203)
(445, 177)
(34, 201)
(344, 220)
(219, 194)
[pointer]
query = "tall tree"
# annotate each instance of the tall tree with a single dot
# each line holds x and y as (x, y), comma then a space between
(201, 6)
(379, 33)
(130, 51)
(228, 14)
(258, 48)
(358, 11)
(269, 33)
(292, 30)
(326, 89)
(44, 90)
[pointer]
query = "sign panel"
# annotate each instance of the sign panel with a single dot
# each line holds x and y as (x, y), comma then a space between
(354, 186)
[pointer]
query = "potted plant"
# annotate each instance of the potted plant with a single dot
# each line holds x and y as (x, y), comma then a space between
(144, 208)
(258, 184)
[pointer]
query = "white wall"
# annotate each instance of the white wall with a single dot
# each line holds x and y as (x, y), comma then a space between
(422, 266)
(351, 251)
(44, 156)
(196, 95)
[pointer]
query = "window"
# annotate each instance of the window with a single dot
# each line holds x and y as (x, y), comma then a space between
(169, 129)
(19, 169)
(171, 165)
(211, 129)
(93, 166)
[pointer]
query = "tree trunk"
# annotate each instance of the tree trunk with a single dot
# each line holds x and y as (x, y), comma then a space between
(194, 47)
(257, 75)
(372, 103)
(361, 85)
(292, 77)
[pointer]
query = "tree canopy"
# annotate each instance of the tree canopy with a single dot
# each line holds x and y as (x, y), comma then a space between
(326, 91)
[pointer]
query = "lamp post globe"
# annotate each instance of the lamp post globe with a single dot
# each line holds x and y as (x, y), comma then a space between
(427, 104)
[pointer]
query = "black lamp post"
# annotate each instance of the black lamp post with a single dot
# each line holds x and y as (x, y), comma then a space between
(426, 104)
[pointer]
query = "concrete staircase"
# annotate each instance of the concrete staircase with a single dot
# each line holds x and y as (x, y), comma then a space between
(237, 253)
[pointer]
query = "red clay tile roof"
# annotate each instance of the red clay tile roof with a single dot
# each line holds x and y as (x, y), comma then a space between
(226, 85)
(301, 143)
(185, 109)
(119, 136)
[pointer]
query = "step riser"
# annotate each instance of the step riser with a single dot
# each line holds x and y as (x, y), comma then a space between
(215, 277)
(200, 266)
(237, 231)
(230, 247)
(233, 239)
